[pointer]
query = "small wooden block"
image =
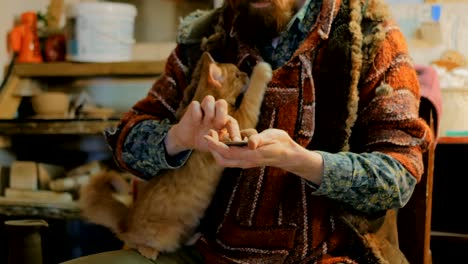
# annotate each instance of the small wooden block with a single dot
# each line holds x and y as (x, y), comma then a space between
(9, 102)
(23, 175)
(38, 196)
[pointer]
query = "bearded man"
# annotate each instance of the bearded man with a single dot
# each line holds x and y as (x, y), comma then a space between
(340, 141)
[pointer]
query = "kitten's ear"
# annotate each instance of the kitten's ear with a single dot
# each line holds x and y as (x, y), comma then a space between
(206, 58)
(215, 75)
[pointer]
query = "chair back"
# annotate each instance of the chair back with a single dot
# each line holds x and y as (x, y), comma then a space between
(414, 220)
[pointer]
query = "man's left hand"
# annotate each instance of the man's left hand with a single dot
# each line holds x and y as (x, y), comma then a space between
(271, 147)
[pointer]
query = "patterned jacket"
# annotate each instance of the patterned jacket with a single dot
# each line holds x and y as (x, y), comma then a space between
(349, 87)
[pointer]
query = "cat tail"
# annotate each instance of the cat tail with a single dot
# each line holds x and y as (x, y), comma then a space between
(97, 202)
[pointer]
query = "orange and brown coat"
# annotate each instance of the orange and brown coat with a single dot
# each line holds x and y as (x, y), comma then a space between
(350, 86)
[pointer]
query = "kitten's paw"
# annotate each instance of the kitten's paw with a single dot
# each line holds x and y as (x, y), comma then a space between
(147, 252)
(263, 71)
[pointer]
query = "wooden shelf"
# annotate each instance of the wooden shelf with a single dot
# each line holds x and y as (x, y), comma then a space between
(30, 208)
(72, 69)
(55, 127)
(452, 140)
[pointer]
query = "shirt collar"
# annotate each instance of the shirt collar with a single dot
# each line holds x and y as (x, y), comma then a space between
(299, 16)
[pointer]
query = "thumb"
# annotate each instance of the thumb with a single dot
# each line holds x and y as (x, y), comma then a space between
(255, 141)
(266, 137)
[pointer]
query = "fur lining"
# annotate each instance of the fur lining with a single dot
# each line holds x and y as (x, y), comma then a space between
(374, 11)
(378, 237)
(193, 26)
(356, 61)
(371, 44)
(217, 40)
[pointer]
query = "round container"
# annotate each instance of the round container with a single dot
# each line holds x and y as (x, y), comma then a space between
(24, 241)
(101, 32)
(51, 104)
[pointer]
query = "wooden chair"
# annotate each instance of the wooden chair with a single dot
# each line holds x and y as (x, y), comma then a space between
(414, 220)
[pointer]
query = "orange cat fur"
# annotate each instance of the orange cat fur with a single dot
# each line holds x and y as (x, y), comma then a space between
(170, 206)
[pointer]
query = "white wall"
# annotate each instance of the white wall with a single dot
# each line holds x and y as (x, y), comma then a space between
(453, 23)
(156, 20)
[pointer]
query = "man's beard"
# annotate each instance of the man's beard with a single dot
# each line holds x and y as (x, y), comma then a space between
(258, 26)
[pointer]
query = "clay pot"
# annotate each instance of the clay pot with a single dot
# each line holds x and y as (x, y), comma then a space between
(24, 241)
(51, 104)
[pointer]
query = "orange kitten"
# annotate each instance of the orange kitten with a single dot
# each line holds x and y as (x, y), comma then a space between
(170, 206)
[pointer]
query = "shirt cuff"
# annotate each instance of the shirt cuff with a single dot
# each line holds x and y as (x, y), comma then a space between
(144, 149)
(176, 161)
(337, 172)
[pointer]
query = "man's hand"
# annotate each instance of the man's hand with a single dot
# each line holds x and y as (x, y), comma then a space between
(272, 147)
(197, 121)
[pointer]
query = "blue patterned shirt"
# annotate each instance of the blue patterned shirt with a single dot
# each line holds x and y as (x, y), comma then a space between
(352, 178)
(288, 41)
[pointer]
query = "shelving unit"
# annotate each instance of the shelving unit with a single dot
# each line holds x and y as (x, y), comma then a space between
(70, 69)
(28, 208)
(55, 127)
(9, 127)
(10, 101)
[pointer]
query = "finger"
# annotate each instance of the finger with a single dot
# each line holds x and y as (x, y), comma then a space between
(233, 129)
(221, 114)
(254, 141)
(193, 112)
(230, 163)
(214, 143)
(233, 157)
(208, 107)
(266, 137)
(229, 152)
(246, 133)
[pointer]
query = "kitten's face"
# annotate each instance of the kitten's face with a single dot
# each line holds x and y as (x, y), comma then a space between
(233, 85)
(224, 81)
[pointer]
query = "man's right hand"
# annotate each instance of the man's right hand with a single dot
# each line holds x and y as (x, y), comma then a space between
(197, 121)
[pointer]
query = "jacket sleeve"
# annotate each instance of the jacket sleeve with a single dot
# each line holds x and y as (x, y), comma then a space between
(160, 104)
(389, 119)
(144, 149)
(388, 138)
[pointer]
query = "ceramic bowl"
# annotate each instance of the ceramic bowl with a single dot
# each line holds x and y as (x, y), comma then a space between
(51, 104)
